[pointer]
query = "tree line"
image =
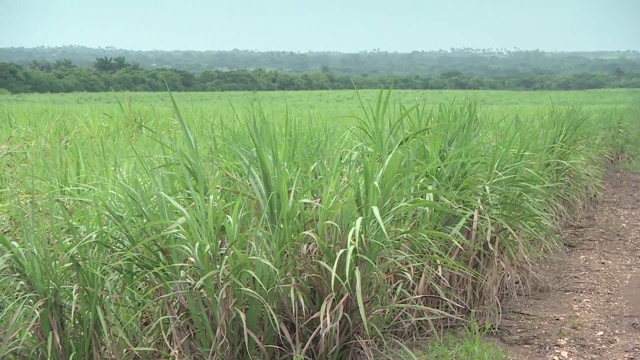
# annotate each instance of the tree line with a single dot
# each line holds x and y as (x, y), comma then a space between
(108, 73)
(470, 62)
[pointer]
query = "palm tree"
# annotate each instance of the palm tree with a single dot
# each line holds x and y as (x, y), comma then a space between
(42, 66)
(63, 64)
(119, 63)
(104, 64)
(35, 65)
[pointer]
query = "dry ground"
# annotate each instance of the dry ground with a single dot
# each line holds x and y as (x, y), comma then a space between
(592, 308)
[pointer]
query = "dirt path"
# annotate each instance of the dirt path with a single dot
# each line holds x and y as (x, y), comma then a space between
(592, 310)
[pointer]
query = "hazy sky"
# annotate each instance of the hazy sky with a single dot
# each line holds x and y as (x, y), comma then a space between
(301, 25)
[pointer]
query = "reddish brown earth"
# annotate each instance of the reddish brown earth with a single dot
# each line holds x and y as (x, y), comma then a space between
(591, 310)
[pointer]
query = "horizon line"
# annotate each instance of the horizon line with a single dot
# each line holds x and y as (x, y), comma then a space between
(377, 50)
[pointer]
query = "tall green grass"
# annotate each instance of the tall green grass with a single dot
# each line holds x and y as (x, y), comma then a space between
(272, 236)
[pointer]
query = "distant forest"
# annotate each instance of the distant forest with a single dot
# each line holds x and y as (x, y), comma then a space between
(469, 62)
(76, 68)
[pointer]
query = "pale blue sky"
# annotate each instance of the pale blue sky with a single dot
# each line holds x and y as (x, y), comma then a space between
(347, 25)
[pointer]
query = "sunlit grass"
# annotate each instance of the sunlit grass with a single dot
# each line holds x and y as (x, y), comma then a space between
(468, 343)
(179, 230)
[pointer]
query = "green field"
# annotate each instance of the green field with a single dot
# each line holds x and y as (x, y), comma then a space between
(320, 104)
(296, 225)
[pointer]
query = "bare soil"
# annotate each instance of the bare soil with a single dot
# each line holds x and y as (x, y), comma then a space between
(591, 310)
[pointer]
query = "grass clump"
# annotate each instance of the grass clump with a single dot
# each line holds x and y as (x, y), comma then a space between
(267, 237)
(467, 344)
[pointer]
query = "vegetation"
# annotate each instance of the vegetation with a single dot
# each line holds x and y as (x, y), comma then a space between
(77, 69)
(485, 63)
(250, 231)
(471, 345)
(116, 74)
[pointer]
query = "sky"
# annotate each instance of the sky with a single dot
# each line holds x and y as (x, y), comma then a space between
(323, 25)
